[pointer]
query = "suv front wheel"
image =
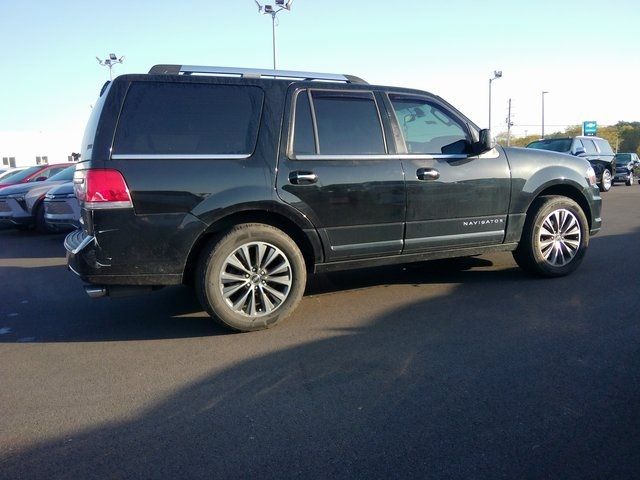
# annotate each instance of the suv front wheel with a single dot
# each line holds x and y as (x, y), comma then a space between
(554, 239)
(251, 277)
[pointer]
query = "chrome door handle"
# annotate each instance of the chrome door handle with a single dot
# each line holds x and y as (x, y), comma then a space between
(303, 178)
(427, 174)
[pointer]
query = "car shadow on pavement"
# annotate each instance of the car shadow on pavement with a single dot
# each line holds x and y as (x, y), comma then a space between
(534, 379)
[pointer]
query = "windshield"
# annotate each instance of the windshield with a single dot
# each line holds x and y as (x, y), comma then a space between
(18, 177)
(9, 173)
(65, 175)
(623, 157)
(554, 144)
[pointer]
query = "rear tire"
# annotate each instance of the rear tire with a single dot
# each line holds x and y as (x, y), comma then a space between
(606, 181)
(554, 239)
(251, 277)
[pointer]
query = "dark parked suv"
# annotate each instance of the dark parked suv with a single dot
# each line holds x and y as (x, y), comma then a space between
(243, 184)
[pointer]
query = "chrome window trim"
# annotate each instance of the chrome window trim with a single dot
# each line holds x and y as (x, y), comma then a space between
(180, 156)
(386, 156)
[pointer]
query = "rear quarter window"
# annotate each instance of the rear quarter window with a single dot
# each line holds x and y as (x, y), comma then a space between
(604, 147)
(188, 119)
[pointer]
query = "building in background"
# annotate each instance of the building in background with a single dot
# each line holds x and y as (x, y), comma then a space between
(21, 149)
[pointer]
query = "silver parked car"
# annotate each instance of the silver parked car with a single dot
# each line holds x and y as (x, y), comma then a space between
(21, 204)
(61, 208)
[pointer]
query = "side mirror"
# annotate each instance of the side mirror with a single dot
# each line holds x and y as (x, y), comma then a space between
(485, 143)
(580, 152)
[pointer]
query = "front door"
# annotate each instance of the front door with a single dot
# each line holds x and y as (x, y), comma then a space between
(336, 170)
(454, 199)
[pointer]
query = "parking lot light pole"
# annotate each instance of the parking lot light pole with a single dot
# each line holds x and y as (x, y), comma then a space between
(496, 75)
(543, 94)
(110, 62)
(273, 10)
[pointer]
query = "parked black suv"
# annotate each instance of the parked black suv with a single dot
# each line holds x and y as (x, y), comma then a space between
(627, 168)
(595, 149)
(243, 185)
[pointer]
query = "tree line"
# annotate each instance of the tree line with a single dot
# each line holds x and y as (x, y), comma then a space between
(623, 136)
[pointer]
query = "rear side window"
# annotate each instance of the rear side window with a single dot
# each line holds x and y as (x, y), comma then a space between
(303, 136)
(348, 123)
(189, 119)
(604, 147)
(589, 146)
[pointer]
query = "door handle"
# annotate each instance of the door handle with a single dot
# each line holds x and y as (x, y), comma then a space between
(303, 178)
(427, 174)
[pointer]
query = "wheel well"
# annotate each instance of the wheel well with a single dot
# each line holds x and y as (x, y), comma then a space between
(254, 216)
(570, 192)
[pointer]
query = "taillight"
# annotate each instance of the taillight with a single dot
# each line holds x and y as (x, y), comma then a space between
(99, 188)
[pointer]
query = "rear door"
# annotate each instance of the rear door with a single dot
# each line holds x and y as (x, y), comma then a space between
(454, 198)
(336, 168)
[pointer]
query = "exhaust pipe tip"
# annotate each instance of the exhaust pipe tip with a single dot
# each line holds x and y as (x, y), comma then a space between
(95, 291)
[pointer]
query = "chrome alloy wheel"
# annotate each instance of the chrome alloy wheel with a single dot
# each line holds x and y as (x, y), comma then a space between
(559, 237)
(606, 179)
(256, 279)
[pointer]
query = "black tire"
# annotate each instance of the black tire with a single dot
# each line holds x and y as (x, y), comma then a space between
(629, 181)
(606, 181)
(531, 251)
(39, 221)
(215, 260)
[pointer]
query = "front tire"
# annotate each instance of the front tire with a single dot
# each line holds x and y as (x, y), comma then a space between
(629, 181)
(606, 181)
(251, 277)
(554, 239)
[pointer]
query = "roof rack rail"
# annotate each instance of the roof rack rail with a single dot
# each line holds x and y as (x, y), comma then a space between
(252, 73)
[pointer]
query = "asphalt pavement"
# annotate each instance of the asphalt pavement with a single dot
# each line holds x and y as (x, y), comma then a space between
(450, 369)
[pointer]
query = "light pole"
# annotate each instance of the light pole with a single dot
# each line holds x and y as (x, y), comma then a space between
(496, 74)
(273, 10)
(543, 94)
(110, 62)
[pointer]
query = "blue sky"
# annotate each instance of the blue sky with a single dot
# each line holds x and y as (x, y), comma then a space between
(585, 55)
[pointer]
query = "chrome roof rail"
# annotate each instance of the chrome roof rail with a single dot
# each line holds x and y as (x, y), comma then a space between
(252, 73)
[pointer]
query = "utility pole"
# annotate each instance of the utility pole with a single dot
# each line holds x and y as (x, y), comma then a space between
(543, 94)
(273, 10)
(509, 125)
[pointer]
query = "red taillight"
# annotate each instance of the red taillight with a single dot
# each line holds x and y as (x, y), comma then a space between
(101, 188)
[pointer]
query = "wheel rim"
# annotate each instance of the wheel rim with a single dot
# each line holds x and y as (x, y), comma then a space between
(255, 279)
(606, 179)
(559, 237)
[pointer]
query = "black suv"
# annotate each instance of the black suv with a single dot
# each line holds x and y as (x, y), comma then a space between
(627, 168)
(243, 184)
(595, 149)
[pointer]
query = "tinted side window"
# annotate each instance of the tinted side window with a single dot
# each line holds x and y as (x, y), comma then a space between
(348, 123)
(427, 128)
(189, 118)
(303, 136)
(589, 146)
(604, 147)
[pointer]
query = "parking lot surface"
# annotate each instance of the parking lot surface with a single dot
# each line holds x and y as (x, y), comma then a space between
(452, 369)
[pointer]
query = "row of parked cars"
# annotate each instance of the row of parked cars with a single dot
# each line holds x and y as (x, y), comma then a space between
(39, 197)
(609, 167)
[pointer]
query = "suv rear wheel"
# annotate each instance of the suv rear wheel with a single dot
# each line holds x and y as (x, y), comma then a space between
(251, 277)
(554, 239)
(607, 181)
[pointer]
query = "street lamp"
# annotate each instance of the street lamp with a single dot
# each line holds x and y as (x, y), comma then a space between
(496, 75)
(110, 62)
(273, 10)
(543, 94)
